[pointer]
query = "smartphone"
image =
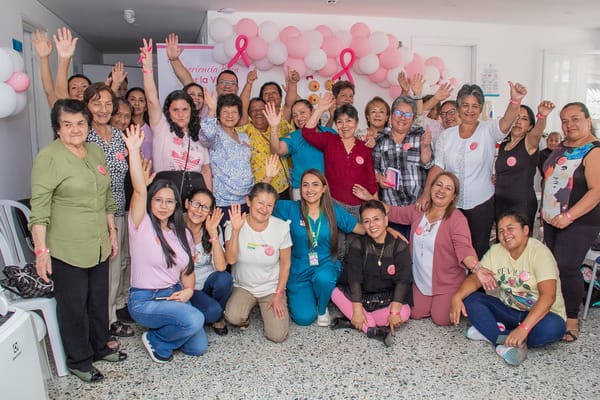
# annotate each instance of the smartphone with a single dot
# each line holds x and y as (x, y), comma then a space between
(160, 298)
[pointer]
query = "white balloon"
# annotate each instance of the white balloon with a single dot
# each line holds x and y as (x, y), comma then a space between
(379, 42)
(220, 30)
(345, 37)
(392, 75)
(432, 75)
(230, 48)
(21, 102)
(269, 31)
(263, 64)
(8, 100)
(16, 58)
(356, 68)
(315, 59)
(277, 53)
(218, 54)
(314, 39)
(369, 64)
(6, 65)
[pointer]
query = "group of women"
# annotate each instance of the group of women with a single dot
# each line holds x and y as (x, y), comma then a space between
(205, 209)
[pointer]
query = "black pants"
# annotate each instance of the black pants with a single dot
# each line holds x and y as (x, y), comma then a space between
(82, 309)
(480, 220)
(569, 247)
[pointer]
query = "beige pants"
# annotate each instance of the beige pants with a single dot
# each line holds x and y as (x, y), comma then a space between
(241, 303)
(118, 277)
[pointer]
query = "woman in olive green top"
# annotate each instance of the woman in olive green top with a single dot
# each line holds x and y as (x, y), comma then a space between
(73, 228)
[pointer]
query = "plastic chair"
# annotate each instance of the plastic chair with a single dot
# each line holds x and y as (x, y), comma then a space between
(11, 214)
(588, 299)
(47, 306)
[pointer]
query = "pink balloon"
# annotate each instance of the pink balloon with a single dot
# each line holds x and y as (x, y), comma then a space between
(295, 64)
(360, 29)
(392, 41)
(329, 69)
(325, 31)
(246, 26)
(390, 58)
(361, 46)
(297, 47)
(257, 48)
(288, 32)
(436, 62)
(415, 66)
(19, 81)
(378, 75)
(395, 91)
(332, 46)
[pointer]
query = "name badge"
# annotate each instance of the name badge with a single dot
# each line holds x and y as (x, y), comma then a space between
(313, 258)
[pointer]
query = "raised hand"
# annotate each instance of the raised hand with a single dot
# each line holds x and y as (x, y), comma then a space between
(133, 137)
(146, 54)
(545, 107)
(417, 81)
(173, 49)
(272, 114)
(236, 217)
(41, 43)
(211, 102)
(403, 82)
(426, 138)
(443, 92)
(272, 166)
(65, 43)
(252, 76)
(362, 193)
(146, 169)
(292, 76)
(212, 222)
(517, 91)
(327, 101)
(118, 73)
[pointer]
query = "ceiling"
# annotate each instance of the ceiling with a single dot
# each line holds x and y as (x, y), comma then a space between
(101, 22)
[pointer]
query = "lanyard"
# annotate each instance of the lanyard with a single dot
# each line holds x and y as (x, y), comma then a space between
(315, 235)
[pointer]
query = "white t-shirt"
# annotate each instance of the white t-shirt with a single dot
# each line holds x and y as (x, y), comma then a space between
(422, 254)
(257, 267)
(471, 160)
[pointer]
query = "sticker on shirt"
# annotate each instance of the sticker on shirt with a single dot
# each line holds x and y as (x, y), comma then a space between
(313, 258)
(120, 156)
(101, 169)
(473, 146)
(511, 161)
(359, 160)
(406, 146)
(419, 230)
(177, 140)
(302, 223)
(391, 269)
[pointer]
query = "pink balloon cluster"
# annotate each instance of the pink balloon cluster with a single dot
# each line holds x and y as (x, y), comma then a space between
(318, 51)
(13, 83)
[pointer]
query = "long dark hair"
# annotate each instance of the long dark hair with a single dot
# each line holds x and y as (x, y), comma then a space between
(205, 239)
(175, 222)
(193, 125)
(145, 116)
(326, 206)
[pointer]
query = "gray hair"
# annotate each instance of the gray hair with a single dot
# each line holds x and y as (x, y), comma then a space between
(470, 90)
(406, 100)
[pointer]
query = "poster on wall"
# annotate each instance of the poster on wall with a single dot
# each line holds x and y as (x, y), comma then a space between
(199, 61)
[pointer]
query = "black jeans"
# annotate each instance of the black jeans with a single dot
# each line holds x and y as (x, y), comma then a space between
(480, 219)
(82, 309)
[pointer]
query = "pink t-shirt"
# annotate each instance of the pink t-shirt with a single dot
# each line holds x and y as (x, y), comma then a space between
(148, 264)
(169, 152)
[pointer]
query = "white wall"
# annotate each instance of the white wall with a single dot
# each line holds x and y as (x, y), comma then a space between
(15, 138)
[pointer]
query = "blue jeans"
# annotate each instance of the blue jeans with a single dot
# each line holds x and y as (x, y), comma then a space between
(485, 311)
(212, 298)
(172, 325)
(309, 295)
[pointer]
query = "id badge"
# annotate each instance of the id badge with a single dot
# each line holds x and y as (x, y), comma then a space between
(313, 258)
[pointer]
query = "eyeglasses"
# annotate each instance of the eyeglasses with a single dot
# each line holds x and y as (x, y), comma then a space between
(197, 204)
(400, 113)
(227, 83)
(170, 203)
(448, 113)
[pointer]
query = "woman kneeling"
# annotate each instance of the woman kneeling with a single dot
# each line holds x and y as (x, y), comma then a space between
(376, 277)
(530, 310)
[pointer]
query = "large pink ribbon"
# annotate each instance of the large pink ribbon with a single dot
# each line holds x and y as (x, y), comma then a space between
(241, 43)
(345, 67)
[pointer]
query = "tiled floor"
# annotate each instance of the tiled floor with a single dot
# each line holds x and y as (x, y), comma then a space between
(426, 362)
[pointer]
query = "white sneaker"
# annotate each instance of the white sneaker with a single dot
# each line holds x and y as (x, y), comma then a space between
(474, 334)
(324, 320)
(153, 354)
(512, 355)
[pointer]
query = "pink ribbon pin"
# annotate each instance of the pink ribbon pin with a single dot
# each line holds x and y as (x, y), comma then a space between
(360, 160)
(406, 146)
(101, 169)
(139, 61)
(511, 161)
(241, 43)
(345, 67)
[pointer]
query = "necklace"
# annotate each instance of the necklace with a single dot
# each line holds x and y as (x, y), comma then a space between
(380, 255)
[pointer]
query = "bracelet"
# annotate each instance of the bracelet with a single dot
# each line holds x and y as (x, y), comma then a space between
(476, 267)
(173, 59)
(278, 292)
(416, 97)
(540, 116)
(41, 251)
(515, 102)
(569, 216)
(213, 239)
(147, 71)
(395, 313)
(525, 327)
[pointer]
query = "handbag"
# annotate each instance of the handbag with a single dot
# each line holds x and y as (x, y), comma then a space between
(25, 282)
(375, 301)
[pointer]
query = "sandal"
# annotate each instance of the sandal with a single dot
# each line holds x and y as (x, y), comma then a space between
(90, 376)
(120, 329)
(570, 336)
(115, 356)
(113, 343)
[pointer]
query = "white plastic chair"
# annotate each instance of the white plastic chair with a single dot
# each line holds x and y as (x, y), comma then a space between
(17, 237)
(588, 299)
(47, 306)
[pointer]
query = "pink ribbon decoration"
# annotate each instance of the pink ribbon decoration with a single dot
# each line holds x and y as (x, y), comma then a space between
(345, 67)
(241, 43)
(139, 61)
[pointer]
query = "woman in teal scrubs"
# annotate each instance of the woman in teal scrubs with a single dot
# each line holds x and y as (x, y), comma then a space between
(315, 268)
